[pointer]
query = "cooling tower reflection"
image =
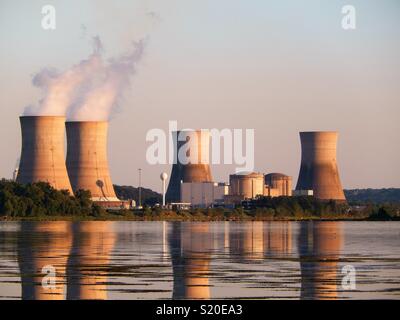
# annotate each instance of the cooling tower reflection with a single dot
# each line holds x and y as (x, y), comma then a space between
(43, 250)
(246, 240)
(249, 260)
(89, 260)
(256, 239)
(278, 238)
(319, 245)
(190, 248)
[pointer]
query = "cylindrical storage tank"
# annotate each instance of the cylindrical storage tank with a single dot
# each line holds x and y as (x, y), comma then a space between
(319, 170)
(247, 184)
(191, 161)
(87, 162)
(281, 182)
(42, 153)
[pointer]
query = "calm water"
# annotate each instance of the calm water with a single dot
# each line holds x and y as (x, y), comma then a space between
(164, 260)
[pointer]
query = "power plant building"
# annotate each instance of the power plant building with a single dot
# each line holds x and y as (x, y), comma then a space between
(203, 194)
(42, 152)
(279, 184)
(243, 186)
(319, 171)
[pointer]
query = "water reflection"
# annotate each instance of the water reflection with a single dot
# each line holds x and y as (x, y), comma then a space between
(89, 260)
(190, 248)
(246, 241)
(249, 241)
(43, 246)
(278, 238)
(183, 260)
(319, 244)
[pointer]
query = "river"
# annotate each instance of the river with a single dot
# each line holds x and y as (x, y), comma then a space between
(199, 260)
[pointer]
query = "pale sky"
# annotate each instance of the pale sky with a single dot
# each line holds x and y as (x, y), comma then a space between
(278, 67)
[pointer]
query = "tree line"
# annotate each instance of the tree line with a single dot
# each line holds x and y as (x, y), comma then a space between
(41, 199)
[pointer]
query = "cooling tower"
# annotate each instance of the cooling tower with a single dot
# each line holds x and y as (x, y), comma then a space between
(191, 161)
(318, 170)
(87, 163)
(42, 154)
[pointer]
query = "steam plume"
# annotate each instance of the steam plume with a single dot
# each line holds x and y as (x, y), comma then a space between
(89, 90)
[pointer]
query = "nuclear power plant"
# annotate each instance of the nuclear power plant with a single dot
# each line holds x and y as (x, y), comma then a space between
(42, 153)
(87, 162)
(319, 171)
(191, 183)
(191, 161)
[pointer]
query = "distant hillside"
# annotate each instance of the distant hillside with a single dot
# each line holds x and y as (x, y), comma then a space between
(373, 195)
(149, 196)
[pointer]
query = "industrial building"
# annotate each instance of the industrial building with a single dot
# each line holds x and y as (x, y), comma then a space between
(203, 194)
(42, 153)
(319, 171)
(249, 185)
(278, 184)
(244, 185)
(302, 193)
(196, 169)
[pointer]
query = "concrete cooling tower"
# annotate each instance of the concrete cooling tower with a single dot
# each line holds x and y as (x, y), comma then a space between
(42, 154)
(87, 163)
(192, 161)
(318, 170)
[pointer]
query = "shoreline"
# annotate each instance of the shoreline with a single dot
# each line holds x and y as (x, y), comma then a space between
(183, 219)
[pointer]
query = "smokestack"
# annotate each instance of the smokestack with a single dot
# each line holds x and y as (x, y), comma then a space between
(87, 159)
(319, 171)
(197, 168)
(42, 154)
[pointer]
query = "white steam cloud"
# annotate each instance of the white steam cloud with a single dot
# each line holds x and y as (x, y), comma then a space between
(90, 90)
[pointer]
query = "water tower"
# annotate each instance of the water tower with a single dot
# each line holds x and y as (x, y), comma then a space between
(163, 177)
